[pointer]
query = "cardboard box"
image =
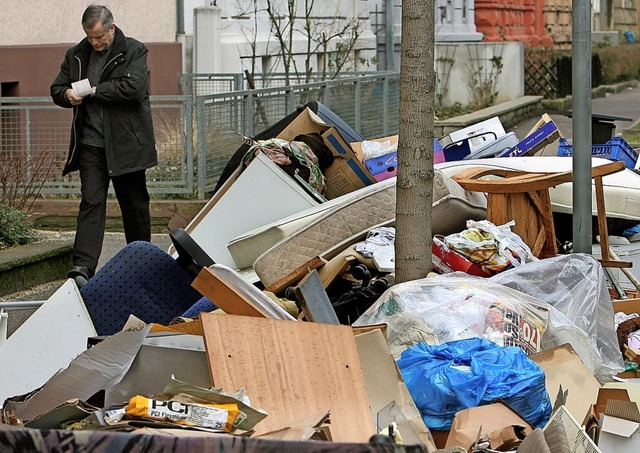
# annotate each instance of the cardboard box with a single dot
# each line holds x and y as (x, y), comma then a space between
(96, 369)
(347, 173)
(464, 141)
(619, 427)
(446, 260)
(593, 420)
(357, 146)
(542, 134)
(504, 426)
(305, 123)
(628, 306)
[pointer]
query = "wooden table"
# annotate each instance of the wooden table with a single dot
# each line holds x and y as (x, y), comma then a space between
(524, 198)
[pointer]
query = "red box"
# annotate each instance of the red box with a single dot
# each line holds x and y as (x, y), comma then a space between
(446, 260)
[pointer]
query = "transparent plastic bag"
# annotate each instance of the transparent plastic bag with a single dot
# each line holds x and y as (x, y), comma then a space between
(575, 285)
(458, 306)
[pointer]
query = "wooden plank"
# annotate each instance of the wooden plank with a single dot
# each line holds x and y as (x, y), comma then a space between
(235, 296)
(617, 264)
(314, 300)
(222, 296)
(602, 219)
(335, 268)
(291, 370)
(294, 276)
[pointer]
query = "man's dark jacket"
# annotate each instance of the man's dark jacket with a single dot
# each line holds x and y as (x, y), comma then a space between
(124, 96)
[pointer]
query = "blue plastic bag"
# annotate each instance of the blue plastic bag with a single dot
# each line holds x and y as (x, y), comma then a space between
(444, 379)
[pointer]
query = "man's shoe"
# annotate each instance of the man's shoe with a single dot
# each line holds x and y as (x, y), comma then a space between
(79, 271)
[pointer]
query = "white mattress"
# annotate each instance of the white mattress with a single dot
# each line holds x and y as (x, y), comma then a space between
(247, 247)
(621, 190)
(452, 207)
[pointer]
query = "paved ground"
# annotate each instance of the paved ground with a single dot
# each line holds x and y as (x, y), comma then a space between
(114, 242)
(625, 104)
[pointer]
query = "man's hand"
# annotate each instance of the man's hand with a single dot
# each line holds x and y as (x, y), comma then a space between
(73, 98)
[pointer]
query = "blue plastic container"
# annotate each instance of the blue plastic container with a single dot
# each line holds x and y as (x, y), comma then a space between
(615, 149)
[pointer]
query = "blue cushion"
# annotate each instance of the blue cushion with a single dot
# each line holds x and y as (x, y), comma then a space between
(141, 280)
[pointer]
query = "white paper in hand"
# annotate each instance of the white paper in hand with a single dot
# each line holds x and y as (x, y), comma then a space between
(82, 87)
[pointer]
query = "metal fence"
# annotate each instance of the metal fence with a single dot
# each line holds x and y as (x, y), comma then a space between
(196, 135)
(216, 83)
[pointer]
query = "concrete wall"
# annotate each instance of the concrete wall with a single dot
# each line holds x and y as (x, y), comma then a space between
(456, 62)
(37, 22)
(29, 70)
(35, 34)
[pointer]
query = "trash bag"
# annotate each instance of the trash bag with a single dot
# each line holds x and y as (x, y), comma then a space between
(575, 285)
(447, 378)
(457, 306)
(494, 248)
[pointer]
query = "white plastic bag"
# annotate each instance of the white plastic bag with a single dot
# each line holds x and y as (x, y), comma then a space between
(494, 248)
(457, 306)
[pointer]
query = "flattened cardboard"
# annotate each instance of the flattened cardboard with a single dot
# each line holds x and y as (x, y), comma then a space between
(314, 427)
(493, 418)
(70, 411)
(563, 367)
(96, 369)
(46, 342)
(158, 360)
(385, 385)
(291, 370)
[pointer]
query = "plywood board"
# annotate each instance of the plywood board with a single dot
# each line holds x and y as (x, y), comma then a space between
(291, 369)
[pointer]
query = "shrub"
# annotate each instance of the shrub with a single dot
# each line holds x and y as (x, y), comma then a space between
(619, 63)
(14, 229)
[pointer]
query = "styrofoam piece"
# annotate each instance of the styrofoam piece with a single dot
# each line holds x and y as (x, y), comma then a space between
(3, 326)
(45, 343)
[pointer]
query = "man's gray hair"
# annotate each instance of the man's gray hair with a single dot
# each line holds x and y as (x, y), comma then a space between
(97, 13)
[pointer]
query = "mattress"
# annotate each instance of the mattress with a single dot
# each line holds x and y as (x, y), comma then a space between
(452, 207)
(247, 247)
(621, 190)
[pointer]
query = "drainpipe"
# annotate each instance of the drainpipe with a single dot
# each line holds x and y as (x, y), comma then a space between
(389, 44)
(180, 17)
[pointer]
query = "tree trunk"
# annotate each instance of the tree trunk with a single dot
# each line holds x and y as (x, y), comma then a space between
(414, 195)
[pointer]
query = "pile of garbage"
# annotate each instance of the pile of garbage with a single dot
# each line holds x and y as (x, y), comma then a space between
(274, 322)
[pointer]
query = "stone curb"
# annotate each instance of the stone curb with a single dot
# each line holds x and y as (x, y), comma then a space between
(510, 114)
(29, 265)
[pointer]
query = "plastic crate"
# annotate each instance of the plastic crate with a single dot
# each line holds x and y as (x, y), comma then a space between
(615, 149)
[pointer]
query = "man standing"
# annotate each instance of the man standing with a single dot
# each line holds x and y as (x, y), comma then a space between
(112, 135)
